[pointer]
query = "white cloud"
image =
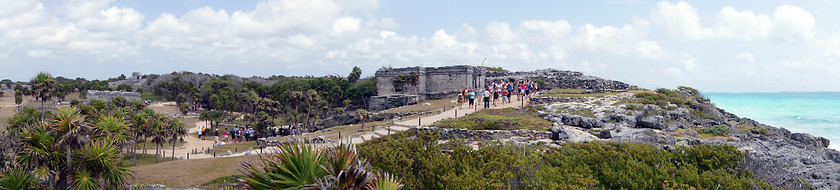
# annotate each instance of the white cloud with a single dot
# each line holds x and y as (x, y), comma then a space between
(681, 20)
(77, 9)
(346, 24)
(624, 41)
(500, 32)
(788, 24)
(746, 56)
(793, 24)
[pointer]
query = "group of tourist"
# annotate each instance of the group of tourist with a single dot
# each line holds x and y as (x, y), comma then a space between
(238, 134)
(497, 91)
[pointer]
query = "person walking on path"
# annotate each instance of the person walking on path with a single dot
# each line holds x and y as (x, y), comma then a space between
(472, 100)
(487, 98)
(217, 137)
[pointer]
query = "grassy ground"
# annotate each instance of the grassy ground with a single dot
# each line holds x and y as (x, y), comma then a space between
(497, 119)
(144, 159)
(151, 96)
(190, 173)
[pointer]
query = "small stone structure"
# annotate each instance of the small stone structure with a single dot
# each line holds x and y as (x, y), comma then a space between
(136, 80)
(107, 95)
(402, 86)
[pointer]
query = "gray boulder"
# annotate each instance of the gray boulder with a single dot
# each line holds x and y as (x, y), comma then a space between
(558, 133)
(605, 134)
(653, 122)
(821, 142)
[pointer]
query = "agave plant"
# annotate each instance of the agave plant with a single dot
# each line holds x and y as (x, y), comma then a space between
(294, 167)
(385, 181)
(18, 178)
(301, 166)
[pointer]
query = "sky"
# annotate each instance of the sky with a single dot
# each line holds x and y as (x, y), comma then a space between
(714, 46)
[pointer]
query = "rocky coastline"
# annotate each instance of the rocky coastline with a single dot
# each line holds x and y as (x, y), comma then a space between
(783, 158)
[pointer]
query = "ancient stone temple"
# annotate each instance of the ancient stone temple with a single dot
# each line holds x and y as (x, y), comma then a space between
(405, 86)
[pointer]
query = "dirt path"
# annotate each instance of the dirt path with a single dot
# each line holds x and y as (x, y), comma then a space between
(193, 143)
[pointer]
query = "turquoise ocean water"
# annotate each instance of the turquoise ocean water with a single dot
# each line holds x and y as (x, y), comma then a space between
(815, 113)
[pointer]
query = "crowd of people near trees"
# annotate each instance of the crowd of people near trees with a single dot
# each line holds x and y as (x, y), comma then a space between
(496, 91)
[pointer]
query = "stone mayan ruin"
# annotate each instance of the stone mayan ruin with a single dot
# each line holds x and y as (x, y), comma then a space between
(107, 95)
(405, 86)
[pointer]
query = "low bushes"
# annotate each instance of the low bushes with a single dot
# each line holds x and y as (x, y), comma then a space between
(426, 164)
(718, 130)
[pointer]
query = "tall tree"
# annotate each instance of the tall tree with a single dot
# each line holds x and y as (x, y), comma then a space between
(354, 75)
(18, 97)
(159, 133)
(176, 133)
(72, 129)
(44, 85)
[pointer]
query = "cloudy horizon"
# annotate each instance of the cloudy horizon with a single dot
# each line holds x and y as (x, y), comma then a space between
(715, 46)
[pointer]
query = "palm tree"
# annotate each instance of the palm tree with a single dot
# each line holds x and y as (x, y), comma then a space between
(363, 115)
(43, 84)
(101, 162)
(159, 133)
(71, 128)
(112, 129)
(39, 152)
(176, 132)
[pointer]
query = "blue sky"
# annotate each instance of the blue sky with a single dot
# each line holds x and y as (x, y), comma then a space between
(715, 46)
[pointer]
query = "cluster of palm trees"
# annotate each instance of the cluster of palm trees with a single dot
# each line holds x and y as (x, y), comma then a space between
(298, 166)
(81, 146)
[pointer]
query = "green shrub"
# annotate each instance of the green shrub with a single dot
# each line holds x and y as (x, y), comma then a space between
(718, 130)
(592, 165)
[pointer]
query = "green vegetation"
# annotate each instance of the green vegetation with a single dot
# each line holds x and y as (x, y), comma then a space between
(718, 130)
(225, 182)
(664, 97)
(150, 96)
(497, 69)
(594, 165)
(752, 129)
(497, 119)
(82, 146)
